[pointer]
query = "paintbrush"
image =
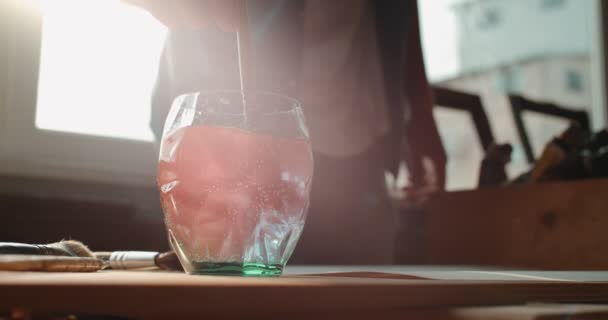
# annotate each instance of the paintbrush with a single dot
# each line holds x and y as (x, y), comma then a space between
(63, 256)
(23, 255)
(126, 260)
(62, 248)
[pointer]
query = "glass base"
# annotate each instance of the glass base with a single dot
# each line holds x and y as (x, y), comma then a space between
(236, 269)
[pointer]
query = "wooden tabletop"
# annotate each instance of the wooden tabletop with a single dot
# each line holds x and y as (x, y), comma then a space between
(303, 291)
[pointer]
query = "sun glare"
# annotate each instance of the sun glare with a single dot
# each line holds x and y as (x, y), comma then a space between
(98, 66)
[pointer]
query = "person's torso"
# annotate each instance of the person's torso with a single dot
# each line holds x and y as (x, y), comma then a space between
(323, 53)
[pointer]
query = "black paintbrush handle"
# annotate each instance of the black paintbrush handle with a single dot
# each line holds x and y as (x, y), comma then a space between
(31, 249)
(168, 261)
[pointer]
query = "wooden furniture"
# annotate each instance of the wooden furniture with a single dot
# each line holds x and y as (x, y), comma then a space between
(558, 225)
(520, 104)
(456, 100)
(151, 295)
(533, 312)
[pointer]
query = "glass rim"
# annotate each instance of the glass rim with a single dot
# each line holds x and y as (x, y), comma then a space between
(292, 105)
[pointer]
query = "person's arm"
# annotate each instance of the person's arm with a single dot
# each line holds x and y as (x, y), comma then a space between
(422, 134)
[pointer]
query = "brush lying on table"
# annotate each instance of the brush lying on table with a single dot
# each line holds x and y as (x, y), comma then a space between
(125, 260)
(62, 248)
(69, 256)
(74, 256)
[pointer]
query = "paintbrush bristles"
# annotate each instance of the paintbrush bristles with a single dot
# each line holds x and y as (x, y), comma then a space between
(75, 248)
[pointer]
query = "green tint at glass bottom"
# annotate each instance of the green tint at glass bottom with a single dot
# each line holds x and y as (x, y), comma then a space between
(237, 269)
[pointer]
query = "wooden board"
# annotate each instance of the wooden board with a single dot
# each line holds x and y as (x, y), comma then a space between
(532, 312)
(544, 226)
(163, 295)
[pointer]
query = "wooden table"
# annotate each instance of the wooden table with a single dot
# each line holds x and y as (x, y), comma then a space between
(304, 292)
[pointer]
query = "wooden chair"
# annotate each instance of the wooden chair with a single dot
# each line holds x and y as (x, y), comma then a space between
(520, 104)
(456, 100)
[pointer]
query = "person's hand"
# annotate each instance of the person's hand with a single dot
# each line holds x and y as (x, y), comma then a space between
(195, 14)
(426, 160)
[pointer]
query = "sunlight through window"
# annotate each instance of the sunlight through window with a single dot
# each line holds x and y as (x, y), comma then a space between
(98, 66)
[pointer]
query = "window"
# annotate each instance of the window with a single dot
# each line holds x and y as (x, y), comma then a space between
(507, 80)
(574, 83)
(552, 4)
(98, 65)
(488, 18)
(460, 143)
(66, 112)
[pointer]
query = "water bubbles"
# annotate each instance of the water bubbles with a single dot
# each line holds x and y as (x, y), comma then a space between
(240, 197)
(301, 187)
(165, 188)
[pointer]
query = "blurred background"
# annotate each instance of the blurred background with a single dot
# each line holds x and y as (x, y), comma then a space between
(545, 50)
(77, 156)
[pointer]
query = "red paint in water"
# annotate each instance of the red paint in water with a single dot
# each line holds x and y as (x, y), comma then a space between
(231, 195)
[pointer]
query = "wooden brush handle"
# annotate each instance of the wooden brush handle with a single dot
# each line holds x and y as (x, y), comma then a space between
(168, 261)
(22, 262)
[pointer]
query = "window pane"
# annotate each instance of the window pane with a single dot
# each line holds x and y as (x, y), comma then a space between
(98, 66)
(539, 49)
(460, 142)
